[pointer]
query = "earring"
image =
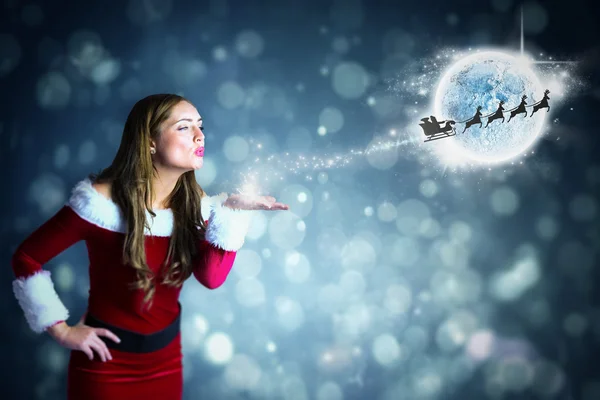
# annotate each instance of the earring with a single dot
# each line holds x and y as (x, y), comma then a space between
(152, 151)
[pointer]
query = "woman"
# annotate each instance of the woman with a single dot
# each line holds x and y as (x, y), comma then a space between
(143, 221)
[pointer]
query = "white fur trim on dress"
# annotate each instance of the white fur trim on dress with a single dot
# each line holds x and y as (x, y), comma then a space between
(97, 209)
(39, 301)
(227, 227)
(228, 232)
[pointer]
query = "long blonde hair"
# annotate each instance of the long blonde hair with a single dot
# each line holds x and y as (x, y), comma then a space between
(130, 175)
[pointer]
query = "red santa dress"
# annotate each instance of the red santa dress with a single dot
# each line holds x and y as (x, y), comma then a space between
(91, 217)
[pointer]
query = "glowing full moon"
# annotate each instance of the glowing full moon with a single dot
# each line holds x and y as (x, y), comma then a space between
(484, 79)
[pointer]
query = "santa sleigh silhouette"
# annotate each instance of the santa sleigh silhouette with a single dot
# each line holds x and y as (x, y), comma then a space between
(434, 129)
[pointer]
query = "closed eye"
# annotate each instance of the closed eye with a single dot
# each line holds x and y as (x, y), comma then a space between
(183, 128)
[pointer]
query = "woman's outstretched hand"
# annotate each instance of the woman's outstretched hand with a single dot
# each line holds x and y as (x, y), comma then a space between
(84, 338)
(254, 202)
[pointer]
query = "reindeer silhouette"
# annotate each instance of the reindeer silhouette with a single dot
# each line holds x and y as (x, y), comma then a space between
(520, 109)
(542, 104)
(497, 115)
(475, 120)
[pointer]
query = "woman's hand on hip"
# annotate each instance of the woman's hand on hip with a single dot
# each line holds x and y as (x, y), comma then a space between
(83, 338)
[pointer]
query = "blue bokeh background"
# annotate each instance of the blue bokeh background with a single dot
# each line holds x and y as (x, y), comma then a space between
(392, 276)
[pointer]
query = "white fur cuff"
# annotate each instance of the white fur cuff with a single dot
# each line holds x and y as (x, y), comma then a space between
(39, 301)
(227, 227)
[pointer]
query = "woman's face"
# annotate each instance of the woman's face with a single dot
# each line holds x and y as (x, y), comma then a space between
(180, 144)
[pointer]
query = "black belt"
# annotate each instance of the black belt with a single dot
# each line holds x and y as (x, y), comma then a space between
(134, 342)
